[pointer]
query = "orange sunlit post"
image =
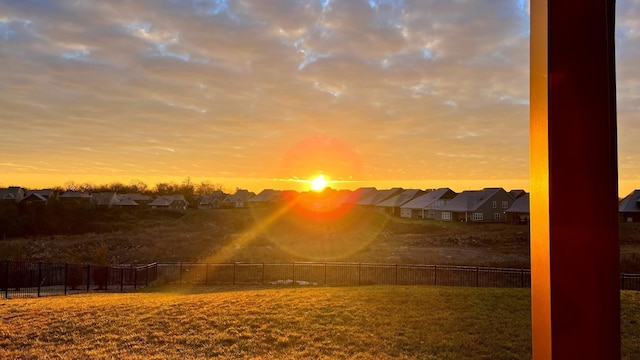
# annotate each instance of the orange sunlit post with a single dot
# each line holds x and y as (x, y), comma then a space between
(574, 230)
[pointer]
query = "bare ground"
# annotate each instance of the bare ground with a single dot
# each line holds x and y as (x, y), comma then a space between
(268, 236)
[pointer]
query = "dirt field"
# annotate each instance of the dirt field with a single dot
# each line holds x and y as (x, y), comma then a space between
(272, 236)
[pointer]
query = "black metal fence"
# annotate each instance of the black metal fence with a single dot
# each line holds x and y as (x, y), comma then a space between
(29, 279)
(26, 279)
(305, 273)
(355, 274)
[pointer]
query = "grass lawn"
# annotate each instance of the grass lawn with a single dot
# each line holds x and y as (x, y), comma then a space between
(375, 322)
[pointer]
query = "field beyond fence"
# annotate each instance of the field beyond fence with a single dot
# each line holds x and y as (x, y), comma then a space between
(28, 279)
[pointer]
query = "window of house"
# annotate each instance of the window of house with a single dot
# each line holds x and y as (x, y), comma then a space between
(497, 216)
(505, 204)
(478, 216)
(446, 215)
(495, 204)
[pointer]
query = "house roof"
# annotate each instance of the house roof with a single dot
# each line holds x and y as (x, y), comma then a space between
(401, 198)
(166, 200)
(520, 205)
(74, 194)
(516, 193)
(10, 193)
(631, 203)
(216, 196)
(379, 196)
(424, 200)
(103, 198)
(33, 196)
(470, 200)
(361, 193)
(240, 195)
(126, 202)
(46, 193)
(134, 197)
(267, 195)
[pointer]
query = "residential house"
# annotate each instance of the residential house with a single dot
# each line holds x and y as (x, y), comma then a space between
(359, 194)
(12, 194)
(139, 199)
(33, 199)
(170, 202)
(629, 207)
(423, 206)
(392, 205)
(103, 200)
(519, 212)
(49, 194)
(486, 205)
(74, 199)
(380, 195)
(266, 198)
(517, 193)
(238, 199)
(212, 201)
(126, 203)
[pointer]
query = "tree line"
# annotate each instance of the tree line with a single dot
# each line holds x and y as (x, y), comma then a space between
(20, 220)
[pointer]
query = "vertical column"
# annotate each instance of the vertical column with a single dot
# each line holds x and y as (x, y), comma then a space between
(574, 230)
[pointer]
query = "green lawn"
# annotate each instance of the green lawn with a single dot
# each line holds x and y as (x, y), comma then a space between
(374, 322)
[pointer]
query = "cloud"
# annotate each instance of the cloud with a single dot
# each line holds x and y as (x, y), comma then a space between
(230, 85)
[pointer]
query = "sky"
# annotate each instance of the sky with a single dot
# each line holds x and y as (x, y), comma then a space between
(268, 94)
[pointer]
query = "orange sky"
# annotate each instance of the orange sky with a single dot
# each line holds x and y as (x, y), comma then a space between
(255, 95)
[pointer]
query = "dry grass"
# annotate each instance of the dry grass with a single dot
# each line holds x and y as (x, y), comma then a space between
(377, 322)
(300, 323)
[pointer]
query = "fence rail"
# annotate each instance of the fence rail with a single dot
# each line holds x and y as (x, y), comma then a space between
(306, 273)
(336, 274)
(29, 279)
(25, 279)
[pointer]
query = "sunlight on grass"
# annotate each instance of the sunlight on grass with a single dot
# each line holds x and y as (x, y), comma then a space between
(377, 322)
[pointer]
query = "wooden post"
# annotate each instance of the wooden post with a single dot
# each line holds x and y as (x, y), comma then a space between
(575, 285)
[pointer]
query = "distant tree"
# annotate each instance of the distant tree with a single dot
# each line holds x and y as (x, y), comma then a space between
(188, 190)
(138, 186)
(166, 188)
(73, 186)
(206, 187)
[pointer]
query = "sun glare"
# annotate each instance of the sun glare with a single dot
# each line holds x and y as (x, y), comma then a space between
(319, 183)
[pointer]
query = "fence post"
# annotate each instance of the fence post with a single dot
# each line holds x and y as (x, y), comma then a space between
(435, 274)
(106, 278)
(66, 277)
(325, 274)
(88, 276)
(6, 288)
(39, 277)
(396, 281)
(477, 277)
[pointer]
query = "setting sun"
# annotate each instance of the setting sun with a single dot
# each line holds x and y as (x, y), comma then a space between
(319, 183)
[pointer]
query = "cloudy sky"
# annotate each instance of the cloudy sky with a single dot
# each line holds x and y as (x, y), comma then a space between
(257, 94)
